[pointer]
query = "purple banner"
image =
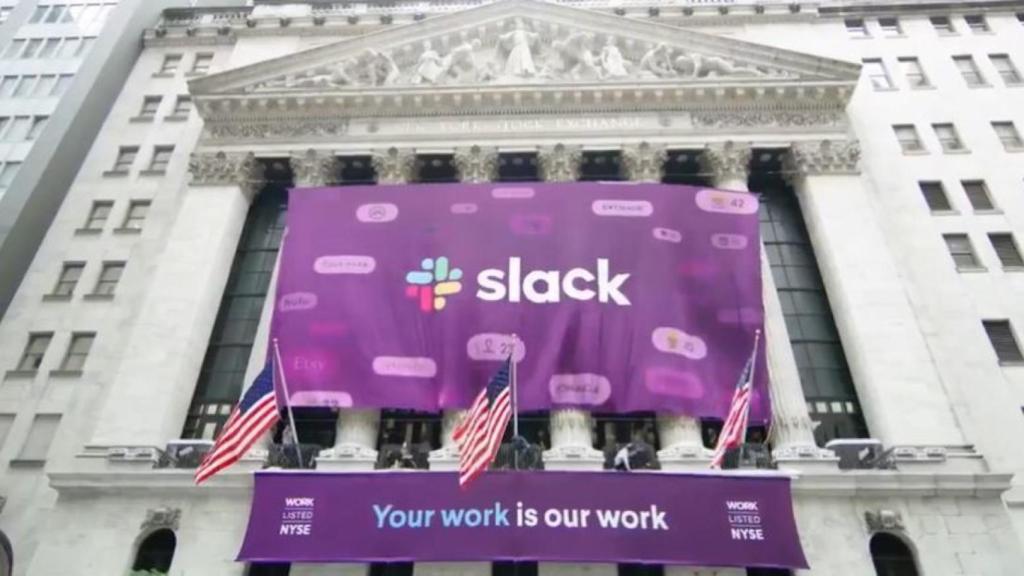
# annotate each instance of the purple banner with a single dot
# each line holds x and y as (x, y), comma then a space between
(701, 520)
(626, 297)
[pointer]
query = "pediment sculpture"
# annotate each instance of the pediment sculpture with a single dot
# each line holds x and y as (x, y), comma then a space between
(517, 51)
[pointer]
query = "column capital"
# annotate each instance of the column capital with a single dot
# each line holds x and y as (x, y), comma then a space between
(644, 162)
(822, 157)
(727, 161)
(394, 165)
(314, 168)
(477, 163)
(560, 163)
(222, 168)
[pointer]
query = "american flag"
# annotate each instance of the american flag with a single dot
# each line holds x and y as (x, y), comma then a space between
(479, 434)
(254, 415)
(735, 427)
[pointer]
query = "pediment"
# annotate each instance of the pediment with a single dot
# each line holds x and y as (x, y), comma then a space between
(526, 43)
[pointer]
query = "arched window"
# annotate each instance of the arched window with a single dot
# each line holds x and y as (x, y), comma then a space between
(155, 553)
(891, 556)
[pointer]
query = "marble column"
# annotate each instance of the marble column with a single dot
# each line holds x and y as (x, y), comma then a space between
(476, 164)
(152, 388)
(792, 431)
(355, 440)
(572, 446)
(679, 436)
(902, 396)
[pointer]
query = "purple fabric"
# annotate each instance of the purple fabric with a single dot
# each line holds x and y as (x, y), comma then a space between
(701, 520)
(363, 321)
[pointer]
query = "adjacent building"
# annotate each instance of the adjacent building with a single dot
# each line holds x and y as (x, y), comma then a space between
(884, 140)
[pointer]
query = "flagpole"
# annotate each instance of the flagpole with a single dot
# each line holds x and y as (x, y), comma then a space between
(515, 405)
(287, 402)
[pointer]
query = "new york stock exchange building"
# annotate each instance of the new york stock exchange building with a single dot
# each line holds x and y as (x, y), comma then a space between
(874, 149)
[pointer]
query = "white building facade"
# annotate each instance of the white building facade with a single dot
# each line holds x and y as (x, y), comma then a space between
(885, 141)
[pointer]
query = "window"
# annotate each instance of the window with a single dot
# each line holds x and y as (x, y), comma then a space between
(182, 106)
(125, 158)
(35, 349)
(7, 173)
(45, 86)
(201, 65)
(161, 158)
(856, 28)
(69, 48)
(969, 70)
(136, 215)
(684, 167)
(1000, 334)
(19, 129)
(977, 23)
(914, 73)
(69, 276)
(150, 105)
(49, 48)
(78, 351)
(943, 25)
(977, 195)
(391, 569)
(24, 87)
(876, 72)
(6, 421)
(436, 168)
(14, 48)
(1008, 135)
(935, 196)
(110, 275)
(640, 570)
(56, 14)
(960, 249)
(38, 123)
(155, 553)
(906, 135)
(98, 215)
(1006, 249)
(1007, 71)
(84, 47)
(268, 569)
(518, 167)
(514, 569)
(948, 137)
(596, 165)
(891, 556)
(40, 436)
(63, 81)
(37, 16)
(170, 64)
(4, 122)
(7, 85)
(31, 48)
(890, 26)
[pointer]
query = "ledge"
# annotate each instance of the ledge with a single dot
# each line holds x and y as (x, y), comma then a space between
(129, 231)
(20, 374)
(115, 174)
(152, 173)
(175, 118)
(88, 231)
(27, 463)
(57, 297)
(66, 373)
(142, 119)
(98, 297)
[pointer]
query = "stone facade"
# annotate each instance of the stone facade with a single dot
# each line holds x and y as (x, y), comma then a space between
(308, 84)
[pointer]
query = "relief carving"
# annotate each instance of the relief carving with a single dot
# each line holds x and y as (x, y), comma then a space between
(823, 157)
(560, 163)
(476, 164)
(158, 518)
(520, 50)
(224, 169)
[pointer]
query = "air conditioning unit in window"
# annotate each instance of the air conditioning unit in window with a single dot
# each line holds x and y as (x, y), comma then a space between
(184, 453)
(861, 454)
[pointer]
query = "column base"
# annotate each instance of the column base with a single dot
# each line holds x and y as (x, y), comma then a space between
(444, 459)
(573, 458)
(804, 457)
(347, 457)
(684, 457)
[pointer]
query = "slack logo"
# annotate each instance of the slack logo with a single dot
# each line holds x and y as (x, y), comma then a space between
(548, 286)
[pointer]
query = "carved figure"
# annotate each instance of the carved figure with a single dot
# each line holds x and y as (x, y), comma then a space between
(461, 64)
(325, 76)
(656, 62)
(577, 58)
(686, 66)
(381, 68)
(713, 66)
(429, 67)
(612, 61)
(518, 42)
